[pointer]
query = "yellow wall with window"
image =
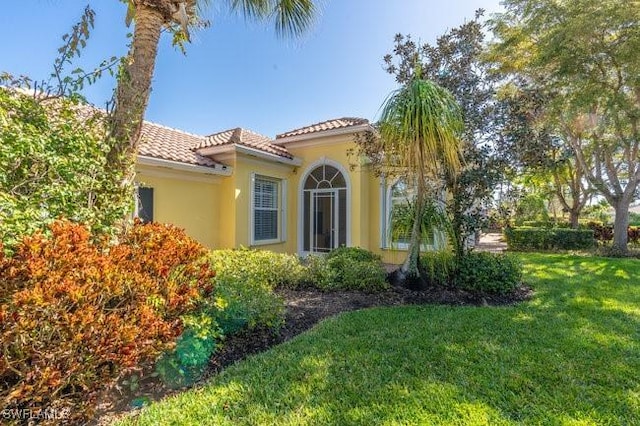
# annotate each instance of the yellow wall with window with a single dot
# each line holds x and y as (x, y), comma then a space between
(188, 200)
(216, 210)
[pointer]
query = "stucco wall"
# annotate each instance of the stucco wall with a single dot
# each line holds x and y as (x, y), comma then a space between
(188, 200)
(216, 209)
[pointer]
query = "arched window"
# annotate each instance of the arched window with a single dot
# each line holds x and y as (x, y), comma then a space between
(325, 210)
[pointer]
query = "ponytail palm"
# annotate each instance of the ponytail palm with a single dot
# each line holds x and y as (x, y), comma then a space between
(419, 131)
(150, 17)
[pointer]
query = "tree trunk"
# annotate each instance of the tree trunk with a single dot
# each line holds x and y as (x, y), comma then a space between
(410, 266)
(574, 215)
(134, 88)
(409, 274)
(621, 225)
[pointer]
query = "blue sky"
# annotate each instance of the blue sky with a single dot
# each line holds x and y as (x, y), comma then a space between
(237, 73)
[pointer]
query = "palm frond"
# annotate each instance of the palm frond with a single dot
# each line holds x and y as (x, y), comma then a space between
(292, 17)
(420, 126)
(253, 9)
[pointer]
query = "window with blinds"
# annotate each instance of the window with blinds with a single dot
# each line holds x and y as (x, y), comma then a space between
(266, 209)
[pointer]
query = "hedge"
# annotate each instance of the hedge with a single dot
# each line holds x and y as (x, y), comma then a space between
(475, 271)
(522, 239)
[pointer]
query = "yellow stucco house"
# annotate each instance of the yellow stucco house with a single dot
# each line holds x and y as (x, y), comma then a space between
(298, 193)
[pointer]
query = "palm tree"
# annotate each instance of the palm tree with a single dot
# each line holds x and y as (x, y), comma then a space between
(291, 17)
(419, 133)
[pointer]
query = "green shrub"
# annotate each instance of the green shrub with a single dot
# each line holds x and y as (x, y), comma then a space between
(272, 269)
(357, 269)
(243, 299)
(185, 363)
(248, 304)
(488, 272)
(245, 280)
(188, 360)
(53, 165)
(522, 239)
(359, 275)
(354, 253)
(439, 267)
(347, 268)
(319, 273)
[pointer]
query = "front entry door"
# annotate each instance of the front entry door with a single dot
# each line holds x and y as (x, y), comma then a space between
(324, 223)
(324, 215)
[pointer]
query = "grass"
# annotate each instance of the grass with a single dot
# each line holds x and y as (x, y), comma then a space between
(570, 356)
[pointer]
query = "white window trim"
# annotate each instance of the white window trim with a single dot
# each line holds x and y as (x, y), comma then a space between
(303, 178)
(282, 211)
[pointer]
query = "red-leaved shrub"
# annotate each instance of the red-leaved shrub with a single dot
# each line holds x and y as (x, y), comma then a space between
(604, 233)
(75, 313)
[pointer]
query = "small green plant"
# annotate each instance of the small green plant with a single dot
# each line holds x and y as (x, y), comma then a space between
(489, 272)
(186, 362)
(319, 273)
(272, 269)
(439, 267)
(245, 280)
(347, 268)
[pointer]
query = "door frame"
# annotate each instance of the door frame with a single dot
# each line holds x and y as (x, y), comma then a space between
(324, 161)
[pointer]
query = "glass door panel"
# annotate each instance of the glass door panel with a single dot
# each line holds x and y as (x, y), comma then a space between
(322, 221)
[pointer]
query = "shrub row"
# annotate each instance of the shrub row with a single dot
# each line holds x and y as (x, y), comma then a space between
(601, 232)
(522, 239)
(476, 271)
(75, 313)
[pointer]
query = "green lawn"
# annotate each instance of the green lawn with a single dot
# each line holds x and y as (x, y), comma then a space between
(569, 356)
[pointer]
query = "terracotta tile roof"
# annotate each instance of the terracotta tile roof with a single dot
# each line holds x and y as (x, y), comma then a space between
(336, 123)
(246, 138)
(163, 142)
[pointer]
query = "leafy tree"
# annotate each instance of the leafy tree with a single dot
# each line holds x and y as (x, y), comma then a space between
(583, 55)
(455, 63)
(418, 135)
(536, 144)
(53, 160)
(291, 17)
(53, 153)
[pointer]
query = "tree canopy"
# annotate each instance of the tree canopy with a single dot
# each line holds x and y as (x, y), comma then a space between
(583, 56)
(53, 159)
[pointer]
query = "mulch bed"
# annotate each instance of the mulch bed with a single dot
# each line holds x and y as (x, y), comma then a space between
(305, 308)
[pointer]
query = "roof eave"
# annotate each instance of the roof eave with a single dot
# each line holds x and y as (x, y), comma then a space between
(218, 169)
(323, 133)
(223, 149)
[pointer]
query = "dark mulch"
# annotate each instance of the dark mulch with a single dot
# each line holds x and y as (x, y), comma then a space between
(305, 308)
